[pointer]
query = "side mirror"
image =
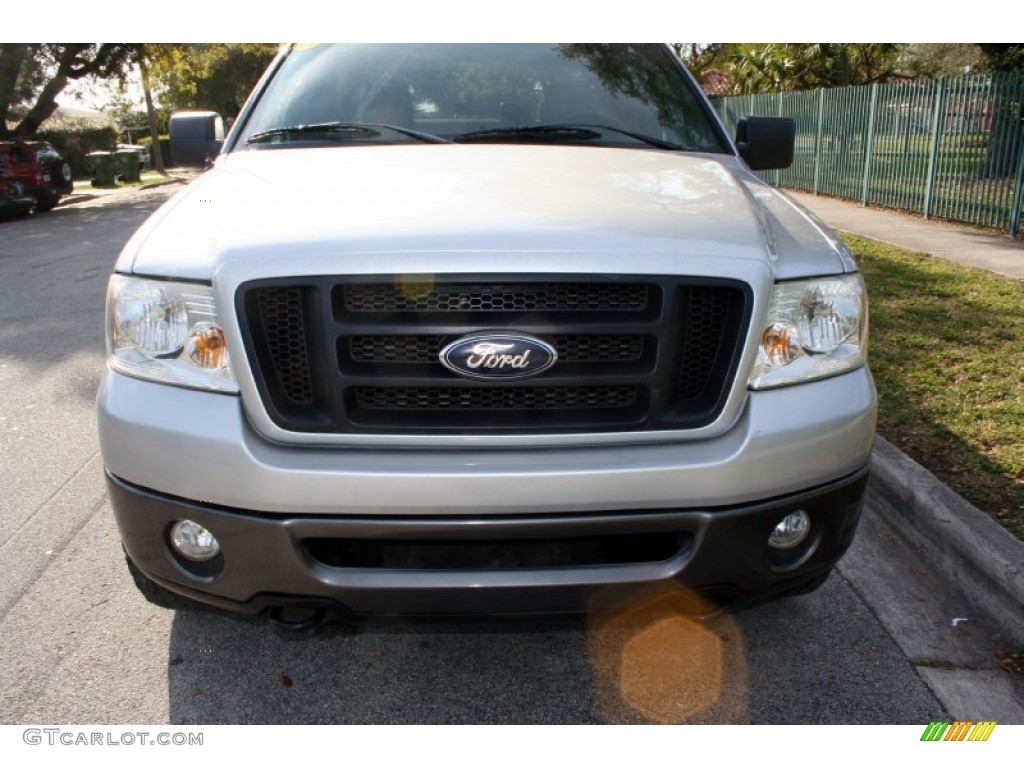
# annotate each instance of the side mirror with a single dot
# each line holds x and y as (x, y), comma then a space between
(766, 142)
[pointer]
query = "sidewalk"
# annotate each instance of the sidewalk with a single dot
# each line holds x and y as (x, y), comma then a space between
(84, 193)
(972, 247)
(952, 543)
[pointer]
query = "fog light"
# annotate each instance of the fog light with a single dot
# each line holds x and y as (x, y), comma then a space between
(193, 541)
(790, 531)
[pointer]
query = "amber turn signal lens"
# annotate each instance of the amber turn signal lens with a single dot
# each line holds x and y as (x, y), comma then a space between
(780, 344)
(207, 347)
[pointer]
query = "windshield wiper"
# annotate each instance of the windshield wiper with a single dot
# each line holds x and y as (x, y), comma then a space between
(660, 143)
(541, 134)
(342, 130)
(559, 132)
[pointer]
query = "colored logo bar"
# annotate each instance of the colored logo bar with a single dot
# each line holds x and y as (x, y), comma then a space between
(959, 730)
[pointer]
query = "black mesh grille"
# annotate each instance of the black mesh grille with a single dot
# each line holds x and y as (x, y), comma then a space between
(361, 355)
(499, 398)
(281, 320)
(526, 297)
(604, 349)
(707, 315)
(395, 349)
(425, 349)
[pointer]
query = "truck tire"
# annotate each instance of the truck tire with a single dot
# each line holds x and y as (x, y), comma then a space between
(46, 202)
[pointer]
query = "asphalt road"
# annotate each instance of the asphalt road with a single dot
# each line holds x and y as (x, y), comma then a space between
(81, 646)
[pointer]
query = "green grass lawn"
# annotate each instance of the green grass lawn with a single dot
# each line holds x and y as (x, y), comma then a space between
(947, 354)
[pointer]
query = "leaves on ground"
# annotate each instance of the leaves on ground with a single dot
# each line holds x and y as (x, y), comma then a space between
(1011, 661)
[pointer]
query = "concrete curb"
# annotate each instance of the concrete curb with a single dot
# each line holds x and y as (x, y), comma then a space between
(971, 548)
(76, 199)
(165, 182)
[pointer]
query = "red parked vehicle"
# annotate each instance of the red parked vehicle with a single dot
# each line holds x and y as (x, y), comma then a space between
(39, 167)
(14, 200)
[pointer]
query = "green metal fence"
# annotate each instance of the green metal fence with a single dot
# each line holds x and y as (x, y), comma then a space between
(951, 148)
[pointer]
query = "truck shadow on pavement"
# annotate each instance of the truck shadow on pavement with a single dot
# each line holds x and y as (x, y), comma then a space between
(778, 663)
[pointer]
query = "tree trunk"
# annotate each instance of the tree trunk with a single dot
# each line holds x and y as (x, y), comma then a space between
(46, 103)
(11, 57)
(45, 106)
(155, 151)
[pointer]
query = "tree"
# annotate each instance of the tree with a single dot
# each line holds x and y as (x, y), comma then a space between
(1003, 57)
(933, 60)
(32, 75)
(701, 57)
(708, 62)
(217, 76)
(155, 151)
(773, 67)
(776, 67)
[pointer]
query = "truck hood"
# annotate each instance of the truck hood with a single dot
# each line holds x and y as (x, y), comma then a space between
(571, 207)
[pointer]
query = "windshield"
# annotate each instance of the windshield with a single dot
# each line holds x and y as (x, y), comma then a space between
(630, 95)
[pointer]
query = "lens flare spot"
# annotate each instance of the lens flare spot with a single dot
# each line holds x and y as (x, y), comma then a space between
(414, 287)
(669, 658)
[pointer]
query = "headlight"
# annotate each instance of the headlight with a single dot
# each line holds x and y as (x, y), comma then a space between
(167, 332)
(815, 328)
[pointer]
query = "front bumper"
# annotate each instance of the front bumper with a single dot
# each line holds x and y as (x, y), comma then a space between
(16, 206)
(329, 526)
(274, 560)
(199, 446)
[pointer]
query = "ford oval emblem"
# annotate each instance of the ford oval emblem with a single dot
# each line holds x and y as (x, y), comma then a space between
(498, 356)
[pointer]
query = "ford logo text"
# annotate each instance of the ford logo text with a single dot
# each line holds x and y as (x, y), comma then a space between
(498, 356)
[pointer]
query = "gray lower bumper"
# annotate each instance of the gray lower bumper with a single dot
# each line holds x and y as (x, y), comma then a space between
(272, 560)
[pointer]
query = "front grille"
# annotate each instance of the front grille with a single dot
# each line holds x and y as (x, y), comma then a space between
(495, 398)
(706, 316)
(425, 349)
(281, 322)
(395, 349)
(525, 297)
(361, 355)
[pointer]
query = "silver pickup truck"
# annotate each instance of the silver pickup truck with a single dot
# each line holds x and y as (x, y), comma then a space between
(484, 328)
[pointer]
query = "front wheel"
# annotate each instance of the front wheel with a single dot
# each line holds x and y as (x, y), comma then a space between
(46, 202)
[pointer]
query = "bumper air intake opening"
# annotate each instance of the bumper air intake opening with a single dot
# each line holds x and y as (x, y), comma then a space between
(497, 554)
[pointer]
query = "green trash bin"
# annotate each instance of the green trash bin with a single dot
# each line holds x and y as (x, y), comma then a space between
(126, 162)
(103, 168)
